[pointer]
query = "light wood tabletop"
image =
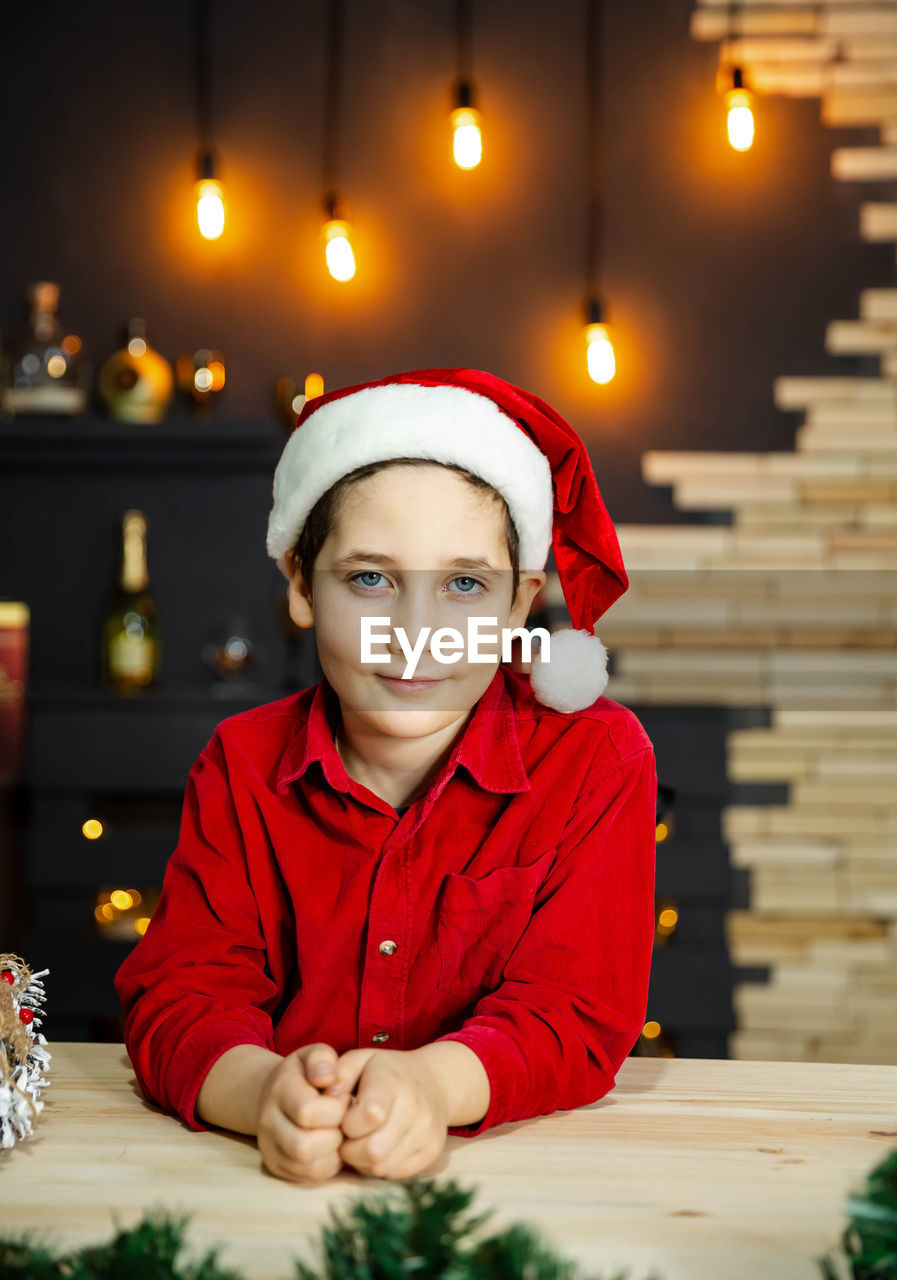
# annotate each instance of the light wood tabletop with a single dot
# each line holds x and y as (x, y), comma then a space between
(689, 1168)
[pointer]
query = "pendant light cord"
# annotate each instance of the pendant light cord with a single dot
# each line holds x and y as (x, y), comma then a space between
(332, 94)
(202, 79)
(594, 210)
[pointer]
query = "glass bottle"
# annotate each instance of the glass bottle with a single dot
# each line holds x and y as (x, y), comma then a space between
(136, 382)
(131, 648)
(43, 370)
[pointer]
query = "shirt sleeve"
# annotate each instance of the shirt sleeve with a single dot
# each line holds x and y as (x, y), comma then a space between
(196, 984)
(574, 993)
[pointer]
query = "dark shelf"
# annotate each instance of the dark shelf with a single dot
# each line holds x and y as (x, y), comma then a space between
(179, 440)
(162, 698)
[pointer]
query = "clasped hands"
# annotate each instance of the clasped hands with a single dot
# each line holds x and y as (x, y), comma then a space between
(310, 1122)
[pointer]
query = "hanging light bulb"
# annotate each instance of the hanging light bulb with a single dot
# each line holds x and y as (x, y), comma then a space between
(599, 348)
(337, 248)
(739, 113)
(467, 135)
(210, 211)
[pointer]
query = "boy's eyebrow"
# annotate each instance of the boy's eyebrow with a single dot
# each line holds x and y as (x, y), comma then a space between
(357, 556)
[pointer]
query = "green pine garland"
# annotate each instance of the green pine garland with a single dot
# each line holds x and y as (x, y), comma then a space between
(869, 1240)
(417, 1229)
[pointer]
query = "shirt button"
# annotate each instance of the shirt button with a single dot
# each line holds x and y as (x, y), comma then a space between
(388, 948)
(379, 1036)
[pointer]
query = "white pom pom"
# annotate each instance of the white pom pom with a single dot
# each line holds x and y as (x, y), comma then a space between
(576, 673)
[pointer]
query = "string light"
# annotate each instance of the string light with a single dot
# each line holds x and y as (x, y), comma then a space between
(467, 146)
(739, 113)
(467, 134)
(738, 99)
(336, 234)
(211, 213)
(338, 250)
(600, 360)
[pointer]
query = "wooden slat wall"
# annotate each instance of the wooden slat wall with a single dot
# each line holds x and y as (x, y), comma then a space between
(793, 607)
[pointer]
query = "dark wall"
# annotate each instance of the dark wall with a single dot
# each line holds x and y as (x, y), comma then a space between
(722, 269)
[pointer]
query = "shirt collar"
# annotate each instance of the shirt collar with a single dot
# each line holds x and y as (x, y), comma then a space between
(489, 747)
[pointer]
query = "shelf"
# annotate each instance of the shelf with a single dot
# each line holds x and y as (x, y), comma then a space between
(164, 698)
(177, 441)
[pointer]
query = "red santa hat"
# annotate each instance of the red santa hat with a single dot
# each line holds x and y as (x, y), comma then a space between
(514, 441)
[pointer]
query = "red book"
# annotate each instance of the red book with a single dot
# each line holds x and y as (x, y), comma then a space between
(14, 623)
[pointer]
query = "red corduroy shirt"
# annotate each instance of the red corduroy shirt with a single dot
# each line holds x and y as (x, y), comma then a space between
(511, 906)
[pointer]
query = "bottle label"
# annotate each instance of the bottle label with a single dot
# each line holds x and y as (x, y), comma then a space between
(131, 656)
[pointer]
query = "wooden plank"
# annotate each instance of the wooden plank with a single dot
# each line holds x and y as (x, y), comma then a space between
(878, 304)
(691, 537)
(847, 490)
(883, 721)
(878, 221)
(697, 494)
(778, 820)
(667, 467)
(802, 855)
(845, 107)
(834, 666)
(800, 393)
(809, 928)
(863, 337)
(753, 49)
(864, 164)
(846, 438)
(707, 25)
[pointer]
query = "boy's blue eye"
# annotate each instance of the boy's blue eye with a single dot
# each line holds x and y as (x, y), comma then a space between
(375, 573)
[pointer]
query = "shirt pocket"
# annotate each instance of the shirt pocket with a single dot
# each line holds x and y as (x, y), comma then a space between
(481, 920)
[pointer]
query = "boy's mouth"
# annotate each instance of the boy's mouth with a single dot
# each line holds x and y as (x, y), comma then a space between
(397, 681)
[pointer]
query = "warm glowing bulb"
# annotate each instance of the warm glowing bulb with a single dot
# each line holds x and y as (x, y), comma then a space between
(141, 925)
(121, 899)
(668, 917)
(210, 208)
(661, 831)
(314, 385)
(740, 119)
(651, 1030)
(468, 140)
(202, 379)
(600, 353)
(92, 828)
(340, 258)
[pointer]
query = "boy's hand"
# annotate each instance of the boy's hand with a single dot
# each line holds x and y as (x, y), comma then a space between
(399, 1122)
(298, 1129)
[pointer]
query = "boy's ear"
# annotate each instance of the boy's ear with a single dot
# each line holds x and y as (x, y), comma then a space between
(300, 601)
(527, 589)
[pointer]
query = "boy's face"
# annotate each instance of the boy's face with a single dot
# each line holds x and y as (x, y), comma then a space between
(417, 521)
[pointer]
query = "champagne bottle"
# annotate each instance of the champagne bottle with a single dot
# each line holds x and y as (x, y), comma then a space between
(131, 647)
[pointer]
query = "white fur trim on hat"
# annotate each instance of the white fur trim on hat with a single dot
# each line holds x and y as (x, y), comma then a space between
(408, 419)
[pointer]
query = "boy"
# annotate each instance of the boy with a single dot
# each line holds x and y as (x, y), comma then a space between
(401, 909)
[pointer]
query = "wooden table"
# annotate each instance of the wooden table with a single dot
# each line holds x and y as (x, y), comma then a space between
(688, 1168)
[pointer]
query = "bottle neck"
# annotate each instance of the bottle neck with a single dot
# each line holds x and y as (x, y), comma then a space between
(134, 576)
(44, 324)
